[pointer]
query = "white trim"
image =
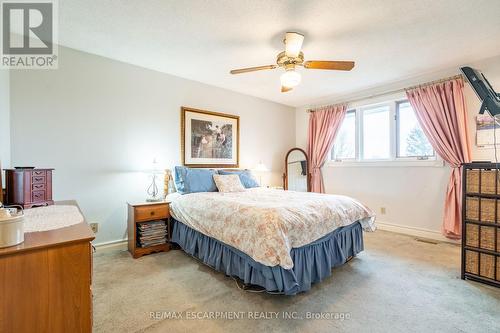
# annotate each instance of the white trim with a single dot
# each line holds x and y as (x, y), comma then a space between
(436, 163)
(112, 245)
(414, 231)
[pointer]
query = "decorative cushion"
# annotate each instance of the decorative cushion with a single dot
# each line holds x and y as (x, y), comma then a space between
(180, 174)
(188, 180)
(228, 183)
(246, 177)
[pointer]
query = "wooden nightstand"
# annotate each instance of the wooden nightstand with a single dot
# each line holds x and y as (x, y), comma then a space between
(143, 213)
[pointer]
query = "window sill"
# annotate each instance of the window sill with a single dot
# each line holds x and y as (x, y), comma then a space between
(438, 163)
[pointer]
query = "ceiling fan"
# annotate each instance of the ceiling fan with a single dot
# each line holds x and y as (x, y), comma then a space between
(293, 57)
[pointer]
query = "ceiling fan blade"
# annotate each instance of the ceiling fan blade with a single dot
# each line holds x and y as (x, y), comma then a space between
(252, 69)
(293, 44)
(333, 65)
(285, 89)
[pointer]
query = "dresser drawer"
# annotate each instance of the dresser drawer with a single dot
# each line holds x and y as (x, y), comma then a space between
(38, 179)
(37, 196)
(38, 187)
(148, 213)
(38, 173)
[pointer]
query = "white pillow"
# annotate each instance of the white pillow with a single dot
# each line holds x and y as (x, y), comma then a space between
(228, 183)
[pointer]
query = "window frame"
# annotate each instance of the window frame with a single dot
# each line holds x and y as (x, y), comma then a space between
(394, 160)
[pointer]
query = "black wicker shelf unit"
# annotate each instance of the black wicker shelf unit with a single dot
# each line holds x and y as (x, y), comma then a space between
(481, 223)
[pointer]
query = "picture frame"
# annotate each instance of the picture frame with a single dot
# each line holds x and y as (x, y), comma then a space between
(209, 139)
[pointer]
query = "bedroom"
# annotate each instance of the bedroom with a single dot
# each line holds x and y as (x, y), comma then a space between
(113, 104)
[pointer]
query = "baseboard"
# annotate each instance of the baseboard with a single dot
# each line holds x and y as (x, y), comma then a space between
(414, 231)
(120, 244)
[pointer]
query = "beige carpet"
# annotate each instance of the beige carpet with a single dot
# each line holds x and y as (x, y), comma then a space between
(397, 284)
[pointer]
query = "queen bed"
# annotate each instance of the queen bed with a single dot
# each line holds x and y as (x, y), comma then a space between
(283, 241)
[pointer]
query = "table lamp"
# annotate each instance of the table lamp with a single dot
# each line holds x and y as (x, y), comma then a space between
(260, 169)
(153, 191)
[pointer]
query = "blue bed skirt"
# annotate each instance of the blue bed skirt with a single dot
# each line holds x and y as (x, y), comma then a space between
(312, 262)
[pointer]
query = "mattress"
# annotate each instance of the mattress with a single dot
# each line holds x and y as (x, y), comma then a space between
(265, 223)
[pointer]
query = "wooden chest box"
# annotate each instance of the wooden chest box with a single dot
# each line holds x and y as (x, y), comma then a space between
(481, 223)
(28, 187)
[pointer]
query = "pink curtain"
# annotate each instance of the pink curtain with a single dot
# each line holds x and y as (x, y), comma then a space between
(324, 124)
(442, 113)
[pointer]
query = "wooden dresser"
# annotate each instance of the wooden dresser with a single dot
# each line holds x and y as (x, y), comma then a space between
(29, 187)
(45, 282)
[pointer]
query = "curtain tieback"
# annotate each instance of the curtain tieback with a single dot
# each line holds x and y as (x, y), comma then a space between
(455, 166)
(315, 169)
(457, 176)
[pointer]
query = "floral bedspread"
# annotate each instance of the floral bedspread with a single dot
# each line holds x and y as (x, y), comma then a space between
(266, 223)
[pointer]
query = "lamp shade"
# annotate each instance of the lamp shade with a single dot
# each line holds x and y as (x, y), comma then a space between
(261, 168)
(155, 168)
(293, 44)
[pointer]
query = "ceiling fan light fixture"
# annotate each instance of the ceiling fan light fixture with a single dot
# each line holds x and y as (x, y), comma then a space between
(290, 78)
(291, 58)
(293, 44)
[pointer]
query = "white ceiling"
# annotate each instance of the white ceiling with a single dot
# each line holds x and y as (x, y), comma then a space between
(203, 39)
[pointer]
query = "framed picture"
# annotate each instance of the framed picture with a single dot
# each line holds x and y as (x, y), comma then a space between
(209, 139)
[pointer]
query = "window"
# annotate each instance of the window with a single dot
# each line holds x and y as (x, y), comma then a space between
(386, 131)
(376, 133)
(411, 140)
(345, 142)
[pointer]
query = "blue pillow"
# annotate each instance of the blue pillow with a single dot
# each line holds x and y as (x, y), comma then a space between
(190, 180)
(180, 174)
(246, 177)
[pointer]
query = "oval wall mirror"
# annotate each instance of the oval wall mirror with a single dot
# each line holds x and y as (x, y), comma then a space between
(296, 176)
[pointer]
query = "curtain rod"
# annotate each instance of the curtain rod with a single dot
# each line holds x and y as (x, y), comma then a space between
(459, 76)
(454, 77)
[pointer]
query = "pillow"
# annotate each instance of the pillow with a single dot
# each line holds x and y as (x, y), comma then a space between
(228, 183)
(190, 180)
(180, 174)
(246, 177)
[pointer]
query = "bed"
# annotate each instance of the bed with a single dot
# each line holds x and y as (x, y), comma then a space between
(283, 241)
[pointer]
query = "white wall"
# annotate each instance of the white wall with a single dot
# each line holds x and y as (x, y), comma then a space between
(4, 120)
(100, 122)
(413, 196)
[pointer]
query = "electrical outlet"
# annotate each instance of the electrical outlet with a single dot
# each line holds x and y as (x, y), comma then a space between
(94, 227)
(382, 210)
